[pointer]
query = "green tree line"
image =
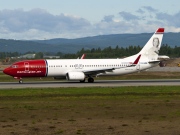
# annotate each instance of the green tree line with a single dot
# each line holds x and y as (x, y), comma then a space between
(107, 52)
(94, 53)
(120, 52)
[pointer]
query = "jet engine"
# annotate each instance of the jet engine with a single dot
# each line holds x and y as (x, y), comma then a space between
(72, 76)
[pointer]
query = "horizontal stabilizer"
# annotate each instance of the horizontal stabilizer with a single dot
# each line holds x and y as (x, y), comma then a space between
(153, 62)
(163, 57)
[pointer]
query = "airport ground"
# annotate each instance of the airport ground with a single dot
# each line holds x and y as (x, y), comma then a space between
(128, 110)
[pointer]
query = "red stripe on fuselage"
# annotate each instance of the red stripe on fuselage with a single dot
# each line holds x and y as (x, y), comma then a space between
(27, 68)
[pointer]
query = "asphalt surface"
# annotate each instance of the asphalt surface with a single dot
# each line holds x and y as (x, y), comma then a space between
(97, 83)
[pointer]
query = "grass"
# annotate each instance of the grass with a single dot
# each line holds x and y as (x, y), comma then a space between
(92, 91)
(92, 110)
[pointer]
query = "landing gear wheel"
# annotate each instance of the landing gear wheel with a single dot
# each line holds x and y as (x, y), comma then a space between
(90, 80)
(20, 81)
(82, 81)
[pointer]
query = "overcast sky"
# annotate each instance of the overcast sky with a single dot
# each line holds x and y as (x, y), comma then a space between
(46, 19)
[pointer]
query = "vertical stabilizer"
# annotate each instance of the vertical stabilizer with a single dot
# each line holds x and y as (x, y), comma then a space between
(152, 47)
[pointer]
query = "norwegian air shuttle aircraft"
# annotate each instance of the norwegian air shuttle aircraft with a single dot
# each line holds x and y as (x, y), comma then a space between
(82, 69)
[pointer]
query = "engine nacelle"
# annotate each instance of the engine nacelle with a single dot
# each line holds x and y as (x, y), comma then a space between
(72, 76)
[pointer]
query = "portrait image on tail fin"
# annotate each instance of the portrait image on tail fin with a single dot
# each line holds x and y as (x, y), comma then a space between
(156, 42)
(154, 49)
(155, 46)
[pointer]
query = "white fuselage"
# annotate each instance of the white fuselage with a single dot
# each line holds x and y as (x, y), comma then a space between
(62, 67)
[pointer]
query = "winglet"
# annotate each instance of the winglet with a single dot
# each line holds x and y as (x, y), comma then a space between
(83, 56)
(137, 60)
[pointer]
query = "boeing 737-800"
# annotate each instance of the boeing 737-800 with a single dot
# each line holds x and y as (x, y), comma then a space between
(82, 69)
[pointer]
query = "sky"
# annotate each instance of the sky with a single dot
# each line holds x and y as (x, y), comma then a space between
(47, 19)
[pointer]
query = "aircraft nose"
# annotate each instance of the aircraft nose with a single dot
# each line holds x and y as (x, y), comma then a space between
(6, 71)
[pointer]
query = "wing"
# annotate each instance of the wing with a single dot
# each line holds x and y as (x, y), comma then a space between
(103, 70)
(95, 72)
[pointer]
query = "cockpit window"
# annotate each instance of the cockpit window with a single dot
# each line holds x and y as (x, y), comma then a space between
(14, 66)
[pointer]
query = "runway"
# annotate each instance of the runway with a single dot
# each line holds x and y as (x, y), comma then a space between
(97, 83)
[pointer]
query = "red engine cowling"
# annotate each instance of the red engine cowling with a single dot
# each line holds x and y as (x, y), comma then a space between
(72, 76)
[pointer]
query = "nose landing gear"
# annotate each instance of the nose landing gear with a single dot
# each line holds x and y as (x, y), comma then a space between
(20, 81)
(19, 78)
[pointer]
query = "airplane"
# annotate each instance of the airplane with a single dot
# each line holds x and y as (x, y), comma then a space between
(80, 70)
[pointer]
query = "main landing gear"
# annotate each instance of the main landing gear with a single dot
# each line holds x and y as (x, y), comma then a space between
(90, 80)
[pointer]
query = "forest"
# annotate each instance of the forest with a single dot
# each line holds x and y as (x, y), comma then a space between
(94, 53)
(120, 52)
